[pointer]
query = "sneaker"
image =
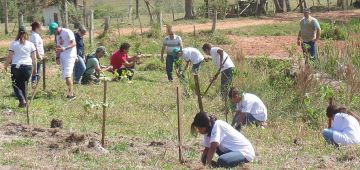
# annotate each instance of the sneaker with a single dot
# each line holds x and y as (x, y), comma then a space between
(71, 98)
(22, 104)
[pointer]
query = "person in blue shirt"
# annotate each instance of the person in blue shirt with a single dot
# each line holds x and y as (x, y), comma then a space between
(80, 66)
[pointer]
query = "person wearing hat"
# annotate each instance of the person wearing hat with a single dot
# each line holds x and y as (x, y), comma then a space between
(309, 35)
(40, 53)
(190, 54)
(171, 42)
(249, 109)
(66, 54)
(80, 49)
(22, 57)
(93, 66)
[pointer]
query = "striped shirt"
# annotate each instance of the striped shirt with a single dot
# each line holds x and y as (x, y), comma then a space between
(171, 44)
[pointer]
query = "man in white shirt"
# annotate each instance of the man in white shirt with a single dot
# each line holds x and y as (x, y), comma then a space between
(224, 63)
(40, 53)
(192, 55)
(249, 109)
(66, 54)
(171, 42)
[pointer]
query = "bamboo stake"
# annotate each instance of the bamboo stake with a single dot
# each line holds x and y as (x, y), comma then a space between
(197, 89)
(104, 116)
(27, 103)
(44, 73)
(180, 134)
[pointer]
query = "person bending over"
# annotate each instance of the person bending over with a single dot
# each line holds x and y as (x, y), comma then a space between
(93, 66)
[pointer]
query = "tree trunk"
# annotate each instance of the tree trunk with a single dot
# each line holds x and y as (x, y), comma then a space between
(149, 10)
(278, 7)
(84, 14)
(137, 9)
(189, 9)
(288, 6)
(130, 11)
(301, 6)
(66, 16)
(207, 8)
(21, 19)
(6, 13)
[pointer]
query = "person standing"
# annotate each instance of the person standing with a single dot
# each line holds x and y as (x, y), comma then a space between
(225, 65)
(171, 42)
(66, 54)
(40, 53)
(309, 35)
(80, 49)
(22, 57)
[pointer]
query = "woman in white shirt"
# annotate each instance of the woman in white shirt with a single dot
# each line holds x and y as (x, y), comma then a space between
(219, 137)
(22, 58)
(39, 45)
(343, 126)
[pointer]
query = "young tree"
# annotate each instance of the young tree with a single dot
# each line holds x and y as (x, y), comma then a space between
(189, 9)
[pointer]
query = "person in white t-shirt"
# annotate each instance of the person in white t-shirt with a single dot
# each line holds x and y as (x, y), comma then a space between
(190, 55)
(40, 53)
(66, 54)
(171, 42)
(22, 57)
(224, 63)
(220, 137)
(343, 126)
(249, 109)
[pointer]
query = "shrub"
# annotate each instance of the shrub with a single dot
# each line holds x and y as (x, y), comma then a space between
(153, 65)
(332, 32)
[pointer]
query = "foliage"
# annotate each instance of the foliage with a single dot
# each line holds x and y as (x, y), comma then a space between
(333, 32)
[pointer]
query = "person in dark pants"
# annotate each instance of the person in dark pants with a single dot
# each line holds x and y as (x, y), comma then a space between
(171, 42)
(40, 53)
(22, 57)
(224, 63)
(122, 64)
(80, 66)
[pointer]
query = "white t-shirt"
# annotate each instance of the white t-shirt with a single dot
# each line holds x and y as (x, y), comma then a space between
(348, 126)
(63, 40)
(229, 139)
(172, 44)
(193, 55)
(253, 105)
(38, 42)
(216, 57)
(22, 52)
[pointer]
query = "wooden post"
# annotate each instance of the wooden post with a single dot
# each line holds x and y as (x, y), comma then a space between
(44, 73)
(161, 19)
(141, 27)
(104, 115)
(6, 13)
(130, 12)
(213, 29)
(106, 24)
(173, 14)
(66, 16)
(21, 19)
(27, 102)
(197, 90)
(91, 32)
(180, 134)
(137, 9)
(194, 31)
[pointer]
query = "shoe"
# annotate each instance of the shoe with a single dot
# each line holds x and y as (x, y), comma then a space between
(22, 105)
(71, 98)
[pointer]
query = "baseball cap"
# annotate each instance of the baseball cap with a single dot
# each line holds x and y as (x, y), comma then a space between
(22, 29)
(307, 10)
(102, 49)
(175, 51)
(52, 27)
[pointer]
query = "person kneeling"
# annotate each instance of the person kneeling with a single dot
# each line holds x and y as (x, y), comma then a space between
(93, 67)
(232, 147)
(249, 109)
(122, 64)
(343, 126)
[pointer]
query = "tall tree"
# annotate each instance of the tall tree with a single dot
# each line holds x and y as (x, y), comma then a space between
(137, 9)
(278, 7)
(189, 9)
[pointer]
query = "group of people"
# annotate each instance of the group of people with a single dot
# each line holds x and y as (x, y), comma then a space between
(220, 137)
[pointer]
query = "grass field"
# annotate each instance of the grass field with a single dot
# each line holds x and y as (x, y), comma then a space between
(142, 120)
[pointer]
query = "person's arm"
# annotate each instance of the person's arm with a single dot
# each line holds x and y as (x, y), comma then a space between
(207, 58)
(211, 152)
(221, 53)
(8, 59)
(357, 117)
(34, 62)
(162, 53)
(318, 35)
(181, 44)
(204, 156)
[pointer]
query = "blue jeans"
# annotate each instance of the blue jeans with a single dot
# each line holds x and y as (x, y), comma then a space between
(226, 81)
(20, 77)
(37, 76)
(230, 159)
(311, 49)
(329, 136)
(169, 66)
(80, 68)
(196, 67)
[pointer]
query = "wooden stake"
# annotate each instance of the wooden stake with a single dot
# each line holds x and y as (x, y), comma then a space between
(44, 73)
(27, 103)
(91, 32)
(104, 116)
(197, 90)
(194, 31)
(180, 134)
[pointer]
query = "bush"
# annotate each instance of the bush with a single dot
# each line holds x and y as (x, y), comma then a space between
(153, 65)
(331, 32)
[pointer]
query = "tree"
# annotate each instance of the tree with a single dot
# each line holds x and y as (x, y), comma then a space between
(6, 14)
(137, 9)
(278, 7)
(189, 9)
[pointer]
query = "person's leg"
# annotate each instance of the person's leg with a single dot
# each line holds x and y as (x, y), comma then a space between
(15, 79)
(329, 136)
(68, 67)
(35, 78)
(231, 159)
(169, 67)
(226, 81)
(80, 68)
(70, 85)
